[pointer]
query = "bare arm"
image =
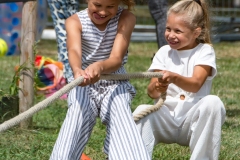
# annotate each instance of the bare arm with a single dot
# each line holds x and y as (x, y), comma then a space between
(194, 83)
(92, 72)
(189, 84)
(74, 29)
(125, 28)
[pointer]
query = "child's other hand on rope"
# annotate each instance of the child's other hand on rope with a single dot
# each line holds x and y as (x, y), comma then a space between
(167, 78)
(79, 72)
(91, 74)
(94, 72)
(162, 83)
(157, 86)
(161, 86)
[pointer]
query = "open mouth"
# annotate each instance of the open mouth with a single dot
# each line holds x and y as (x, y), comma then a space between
(97, 16)
(172, 42)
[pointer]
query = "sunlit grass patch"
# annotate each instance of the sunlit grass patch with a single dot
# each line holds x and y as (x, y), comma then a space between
(37, 142)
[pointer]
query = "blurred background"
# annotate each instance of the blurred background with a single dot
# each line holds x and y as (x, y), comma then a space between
(225, 18)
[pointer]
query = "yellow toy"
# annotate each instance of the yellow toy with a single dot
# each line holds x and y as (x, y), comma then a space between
(3, 47)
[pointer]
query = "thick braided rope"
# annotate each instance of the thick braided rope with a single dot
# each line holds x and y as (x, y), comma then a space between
(39, 106)
(131, 76)
(151, 109)
(43, 104)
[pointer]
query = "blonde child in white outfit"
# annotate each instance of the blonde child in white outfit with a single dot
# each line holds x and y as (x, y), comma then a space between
(190, 116)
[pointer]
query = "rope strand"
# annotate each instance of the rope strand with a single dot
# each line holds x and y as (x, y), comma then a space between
(151, 109)
(43, 104)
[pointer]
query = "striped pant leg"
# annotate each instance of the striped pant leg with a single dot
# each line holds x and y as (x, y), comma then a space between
(123, 140)
(77, 126)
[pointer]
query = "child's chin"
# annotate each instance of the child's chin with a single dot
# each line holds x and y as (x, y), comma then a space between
(174, 46)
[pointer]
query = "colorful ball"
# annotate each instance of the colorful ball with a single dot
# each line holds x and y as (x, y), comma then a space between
(3, 47)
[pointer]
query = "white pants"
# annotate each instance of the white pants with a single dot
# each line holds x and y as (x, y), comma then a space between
(201, 129)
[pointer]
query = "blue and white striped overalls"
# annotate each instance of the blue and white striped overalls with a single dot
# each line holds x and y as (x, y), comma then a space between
(110, 100)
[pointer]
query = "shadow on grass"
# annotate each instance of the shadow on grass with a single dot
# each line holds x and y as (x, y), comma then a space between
(232, 112)
(45, 128)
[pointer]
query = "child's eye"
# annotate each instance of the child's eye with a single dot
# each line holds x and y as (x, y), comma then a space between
(168, 29)
(97, 5)
(178, 31)
(110, 6)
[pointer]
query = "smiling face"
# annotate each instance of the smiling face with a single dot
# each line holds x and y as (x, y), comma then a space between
(178, 33)
(101, 11)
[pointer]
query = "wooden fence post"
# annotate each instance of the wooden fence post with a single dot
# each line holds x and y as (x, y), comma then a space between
(28, 36)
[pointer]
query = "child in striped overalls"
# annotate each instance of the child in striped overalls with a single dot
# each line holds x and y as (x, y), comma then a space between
(97, 43)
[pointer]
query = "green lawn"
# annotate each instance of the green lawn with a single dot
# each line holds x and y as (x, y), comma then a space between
(37, 142)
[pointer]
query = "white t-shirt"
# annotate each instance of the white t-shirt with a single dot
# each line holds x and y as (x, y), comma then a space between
(183, 63)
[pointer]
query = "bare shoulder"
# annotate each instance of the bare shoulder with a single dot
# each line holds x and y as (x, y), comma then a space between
(73, 21)
(127, 13)
(127, 17)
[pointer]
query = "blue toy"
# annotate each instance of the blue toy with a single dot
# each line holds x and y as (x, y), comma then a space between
(10, 26)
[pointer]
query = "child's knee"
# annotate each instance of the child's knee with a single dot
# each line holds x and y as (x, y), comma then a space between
(214, 106)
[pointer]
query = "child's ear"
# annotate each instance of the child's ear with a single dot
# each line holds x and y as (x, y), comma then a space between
(198, 31)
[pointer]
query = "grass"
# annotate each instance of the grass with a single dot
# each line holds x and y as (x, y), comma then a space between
(37, 142)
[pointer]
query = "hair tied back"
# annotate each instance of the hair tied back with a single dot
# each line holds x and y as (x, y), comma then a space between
(198, 1)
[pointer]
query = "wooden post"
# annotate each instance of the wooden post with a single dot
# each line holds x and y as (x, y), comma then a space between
(28, 36)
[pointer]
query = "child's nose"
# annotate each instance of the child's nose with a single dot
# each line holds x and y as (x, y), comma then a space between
(103, 12)
(171, 35)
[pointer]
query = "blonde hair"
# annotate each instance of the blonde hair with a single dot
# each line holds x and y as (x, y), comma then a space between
(197, 16)
(129, 3)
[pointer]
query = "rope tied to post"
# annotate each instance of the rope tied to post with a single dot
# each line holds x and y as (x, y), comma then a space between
(43, 104)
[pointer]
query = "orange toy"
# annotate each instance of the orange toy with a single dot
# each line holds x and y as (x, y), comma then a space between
(84, 157)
